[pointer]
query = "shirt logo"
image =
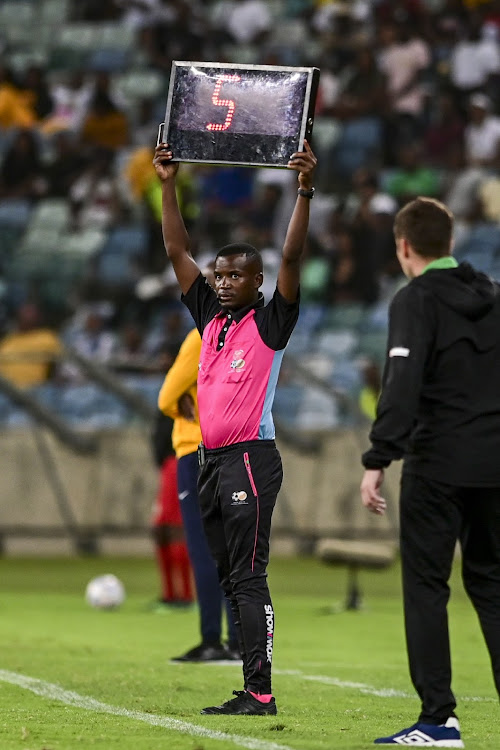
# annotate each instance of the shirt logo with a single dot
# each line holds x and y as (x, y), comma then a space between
(238, 363)
(399, 351)
(239, 498)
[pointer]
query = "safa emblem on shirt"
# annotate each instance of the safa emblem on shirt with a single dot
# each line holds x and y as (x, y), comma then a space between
(238, 363)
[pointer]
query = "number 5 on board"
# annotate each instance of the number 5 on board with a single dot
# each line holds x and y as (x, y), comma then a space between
(223, 103)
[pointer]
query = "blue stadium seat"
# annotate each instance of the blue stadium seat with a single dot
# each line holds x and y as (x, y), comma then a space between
(114, 269)
(108, 60)
(128, 240)
(14, 212)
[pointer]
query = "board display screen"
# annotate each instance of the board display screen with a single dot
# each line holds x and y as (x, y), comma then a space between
(254, 115)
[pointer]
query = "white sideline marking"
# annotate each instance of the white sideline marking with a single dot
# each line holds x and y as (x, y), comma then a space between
(70, 698)
(361, 686)
(367, 689)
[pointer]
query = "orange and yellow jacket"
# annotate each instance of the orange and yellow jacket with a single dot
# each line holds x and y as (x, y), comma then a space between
(181, 378)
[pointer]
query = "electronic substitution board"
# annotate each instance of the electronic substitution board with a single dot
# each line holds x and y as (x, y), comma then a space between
(251, 115)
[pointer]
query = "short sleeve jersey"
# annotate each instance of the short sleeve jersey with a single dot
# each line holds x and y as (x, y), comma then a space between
(240, 359)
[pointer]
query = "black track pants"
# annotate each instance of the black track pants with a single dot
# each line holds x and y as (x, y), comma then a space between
(433, 516)
(237, 489)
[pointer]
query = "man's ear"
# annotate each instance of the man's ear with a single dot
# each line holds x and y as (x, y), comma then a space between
(259, 279)
(406, 249)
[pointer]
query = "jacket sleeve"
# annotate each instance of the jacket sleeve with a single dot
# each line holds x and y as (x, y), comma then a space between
(411, 333)
(182, 375)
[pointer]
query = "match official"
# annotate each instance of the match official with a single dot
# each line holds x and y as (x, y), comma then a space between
(243, 341)
(440, 410)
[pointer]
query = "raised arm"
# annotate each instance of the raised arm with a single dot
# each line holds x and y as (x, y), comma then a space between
(175, 237)
(304, 163)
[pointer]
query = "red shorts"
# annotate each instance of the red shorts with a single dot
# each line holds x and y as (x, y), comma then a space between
(167, 511)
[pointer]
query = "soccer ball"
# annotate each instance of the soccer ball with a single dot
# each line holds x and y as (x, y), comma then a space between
(105, 592)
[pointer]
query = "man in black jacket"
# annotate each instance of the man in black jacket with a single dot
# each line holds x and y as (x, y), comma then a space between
(440, 410)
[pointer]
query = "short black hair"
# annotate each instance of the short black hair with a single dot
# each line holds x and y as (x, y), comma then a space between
(241, 248)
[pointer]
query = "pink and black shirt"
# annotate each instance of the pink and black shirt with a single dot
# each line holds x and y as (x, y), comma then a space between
(240, 360)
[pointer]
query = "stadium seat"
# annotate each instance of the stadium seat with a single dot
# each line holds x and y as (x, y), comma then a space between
(360, 140)
(21, 12)
(373, 345)
(10, 238)
(148, 386)
(108, 60)
(84, 243)
(317, 412)
(114, 269)
(129, 240)
(344, 316)
(116, 36)
(140, 84)
(14, 212)
(89, 406)
(286, 403)
(79, 36)
(50, 214)
(54, 11)
(336, 344)
(346, 376)
(41, 240)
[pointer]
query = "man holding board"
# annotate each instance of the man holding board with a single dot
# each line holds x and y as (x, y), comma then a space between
(240, 466)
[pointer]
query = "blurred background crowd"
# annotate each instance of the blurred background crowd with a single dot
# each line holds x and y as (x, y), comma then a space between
(407, 105)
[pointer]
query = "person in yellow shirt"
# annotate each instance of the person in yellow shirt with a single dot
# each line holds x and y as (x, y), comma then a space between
(178, 400)
(28, 354)
(15, 108)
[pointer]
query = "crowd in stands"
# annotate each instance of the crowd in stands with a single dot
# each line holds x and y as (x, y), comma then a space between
(408, 104)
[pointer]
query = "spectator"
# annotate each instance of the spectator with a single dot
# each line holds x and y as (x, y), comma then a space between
(371, 211)
(167, 338)
(105, 125)
(403, 58)
(177, 34)
(367, 199)
(66, 165)
(71, 102)
(131, 354)
(243, 21)
(28, 354)
(90, 337)
(37, 91)
(482, 134)
(94, 196)
(353, 275)
(475, 61)
(22, 171)
(362, 88)
(15, 109)
(370, 391)
(445, 131)
(411, 178)
(170, 547)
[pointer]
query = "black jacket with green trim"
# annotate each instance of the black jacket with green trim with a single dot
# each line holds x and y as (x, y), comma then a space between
(440, 403)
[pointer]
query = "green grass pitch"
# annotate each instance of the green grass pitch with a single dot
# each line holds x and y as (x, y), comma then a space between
(74, 678)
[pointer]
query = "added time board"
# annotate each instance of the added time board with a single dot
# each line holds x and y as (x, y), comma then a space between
(251, 115)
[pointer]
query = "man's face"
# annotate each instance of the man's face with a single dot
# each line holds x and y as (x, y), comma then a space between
(237, 281)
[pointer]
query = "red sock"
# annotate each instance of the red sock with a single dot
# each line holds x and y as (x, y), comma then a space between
(165, 565)
(182, 566)
(263, 698)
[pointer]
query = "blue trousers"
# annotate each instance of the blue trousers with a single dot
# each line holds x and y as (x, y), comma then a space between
(209, 592)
